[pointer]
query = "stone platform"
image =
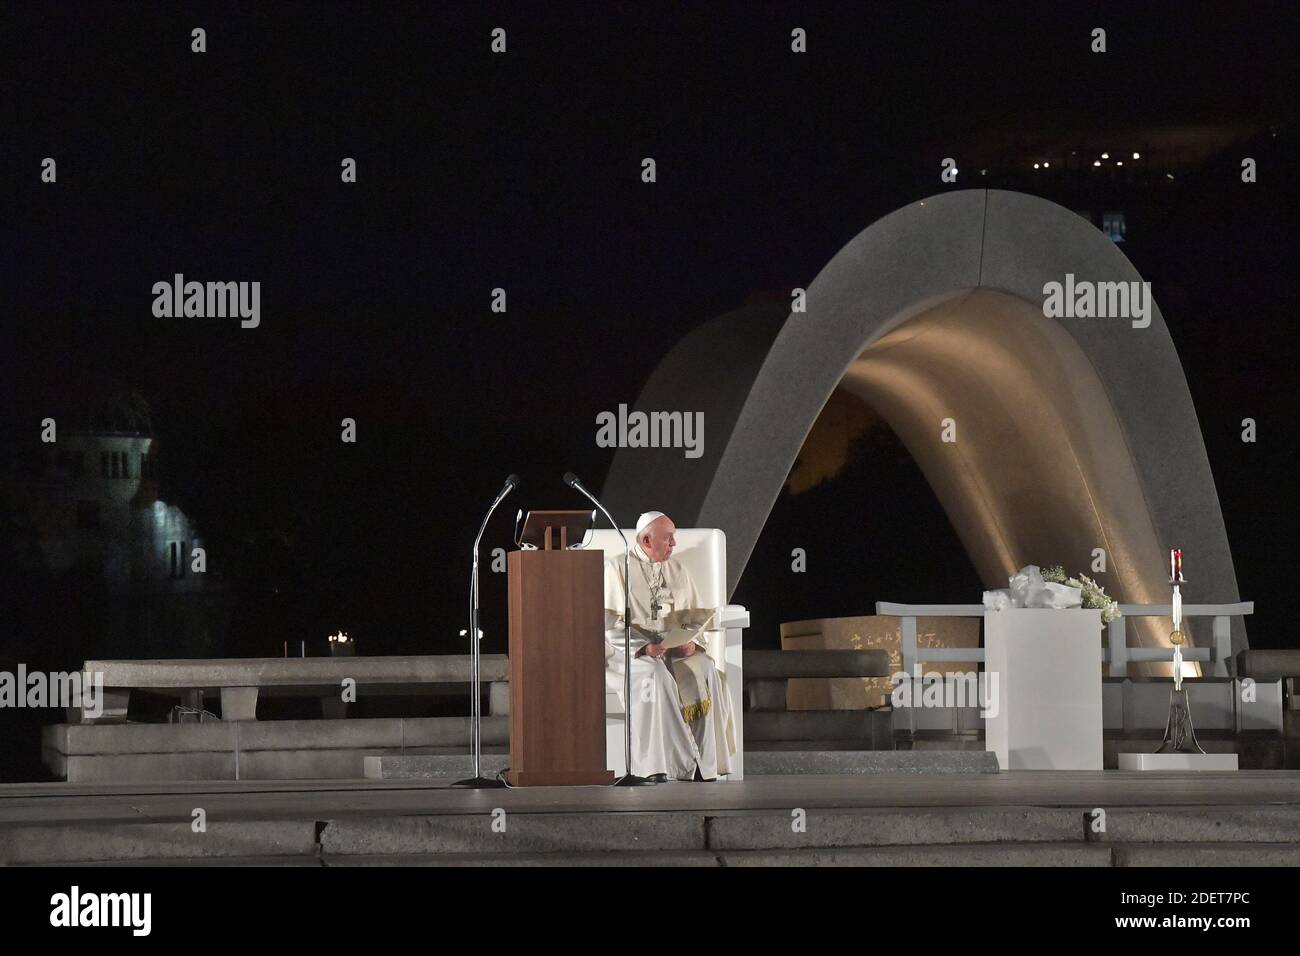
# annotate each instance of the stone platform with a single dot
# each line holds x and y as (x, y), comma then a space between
(250, 750)
(790, 761)
(1164, 762)
(1248, 818)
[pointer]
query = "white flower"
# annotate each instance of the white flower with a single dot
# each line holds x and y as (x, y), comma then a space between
(997, 600)
(1032, 588)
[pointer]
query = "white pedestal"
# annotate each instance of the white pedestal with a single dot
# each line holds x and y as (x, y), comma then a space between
(1047, 664)
(1177, 761)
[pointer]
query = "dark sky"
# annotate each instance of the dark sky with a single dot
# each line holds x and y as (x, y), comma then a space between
(522, 171)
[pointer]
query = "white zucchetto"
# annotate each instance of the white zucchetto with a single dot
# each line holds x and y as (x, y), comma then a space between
(646, 520)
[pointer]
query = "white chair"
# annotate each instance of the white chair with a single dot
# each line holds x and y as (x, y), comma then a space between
(703, 552)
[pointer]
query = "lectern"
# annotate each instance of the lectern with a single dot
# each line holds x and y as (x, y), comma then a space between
(557, 660)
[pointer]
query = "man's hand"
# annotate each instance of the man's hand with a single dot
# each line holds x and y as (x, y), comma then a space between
(654, 650)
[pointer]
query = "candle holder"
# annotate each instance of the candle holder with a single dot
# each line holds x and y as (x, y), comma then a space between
(1179, 748)
(1180, 735)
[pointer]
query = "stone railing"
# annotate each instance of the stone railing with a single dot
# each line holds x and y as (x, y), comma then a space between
(240, 681)
(1116, 653)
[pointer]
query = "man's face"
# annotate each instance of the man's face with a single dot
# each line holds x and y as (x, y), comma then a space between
(657, 539)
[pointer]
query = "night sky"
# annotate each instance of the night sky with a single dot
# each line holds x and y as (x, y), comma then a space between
(522, 171)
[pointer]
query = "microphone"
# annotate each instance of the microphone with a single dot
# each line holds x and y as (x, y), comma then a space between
(629, 779)
(478, 781)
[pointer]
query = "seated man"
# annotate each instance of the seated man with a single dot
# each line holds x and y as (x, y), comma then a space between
(682, 722)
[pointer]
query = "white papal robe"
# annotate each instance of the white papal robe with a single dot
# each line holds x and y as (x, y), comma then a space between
(682, 717)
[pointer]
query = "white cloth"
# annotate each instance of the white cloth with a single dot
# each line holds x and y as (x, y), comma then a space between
(661, 741)
(711, 720)
(690, 724)
(1028, 589)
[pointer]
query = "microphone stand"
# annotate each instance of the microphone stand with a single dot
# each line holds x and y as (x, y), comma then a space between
(629, 779)
(478, 781)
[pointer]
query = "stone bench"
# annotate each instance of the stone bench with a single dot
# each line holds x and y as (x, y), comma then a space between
(1269, 665)
(767, 672)
(240, 680)
(255, 749)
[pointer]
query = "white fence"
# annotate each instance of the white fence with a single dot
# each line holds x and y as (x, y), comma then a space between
(1116, 652)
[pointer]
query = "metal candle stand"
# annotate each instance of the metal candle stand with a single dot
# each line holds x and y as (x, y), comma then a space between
(1180, 736)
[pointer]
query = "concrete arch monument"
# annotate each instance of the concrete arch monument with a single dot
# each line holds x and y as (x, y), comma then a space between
(1071, 433)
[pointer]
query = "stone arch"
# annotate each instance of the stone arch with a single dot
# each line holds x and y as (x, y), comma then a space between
(1072, 433)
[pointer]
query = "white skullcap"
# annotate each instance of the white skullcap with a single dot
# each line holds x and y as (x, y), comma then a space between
(646, 520)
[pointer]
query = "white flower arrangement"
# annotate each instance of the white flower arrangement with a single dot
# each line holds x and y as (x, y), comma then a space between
(1090, 591)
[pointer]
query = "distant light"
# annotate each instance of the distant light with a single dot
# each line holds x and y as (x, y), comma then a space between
(1035, 165)
(1096, 162)
(1137, 155)
(983, 172)
(1169, 175)
(1046, 165)
(1119, 162)
(1105, 155)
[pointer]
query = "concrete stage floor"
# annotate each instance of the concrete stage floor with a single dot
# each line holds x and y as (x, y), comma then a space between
(52, 802)
(1016, 818)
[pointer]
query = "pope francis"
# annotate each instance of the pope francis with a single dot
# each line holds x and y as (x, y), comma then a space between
(681, 713)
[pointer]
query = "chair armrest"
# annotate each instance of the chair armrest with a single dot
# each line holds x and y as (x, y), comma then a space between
(735, 615)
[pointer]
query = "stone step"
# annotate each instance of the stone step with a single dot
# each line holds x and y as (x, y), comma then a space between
(965, 855)
(931, 744)
(297, 671)
(971, 854)
(869, 761)
(250, 750)
(871, 729)
(1017, 854)
(778, 665)
(1263, 835)
(670, 858)
(298, 861)
(829, 829)
(1208, 854)
(77, 842)
(782, 761)
(1226, 824)
(492, 832)
(433, 766)
(999, 854)
(771, 746)
(228, 736)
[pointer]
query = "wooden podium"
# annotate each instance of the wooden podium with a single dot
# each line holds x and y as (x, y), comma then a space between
(557, 668)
